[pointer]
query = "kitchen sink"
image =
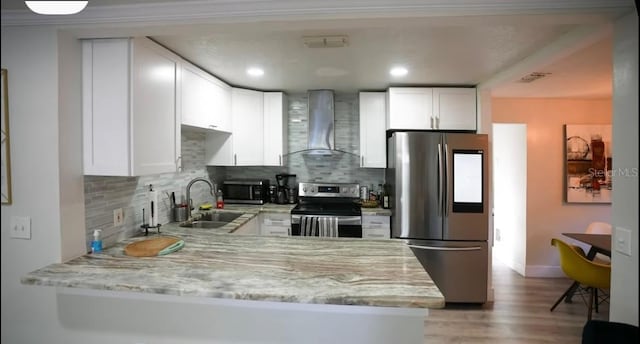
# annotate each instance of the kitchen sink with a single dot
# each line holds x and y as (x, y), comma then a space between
(219, 217)
(204, 224)
(212, 220)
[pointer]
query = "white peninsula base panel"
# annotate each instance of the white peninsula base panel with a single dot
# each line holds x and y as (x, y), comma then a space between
(129, 317)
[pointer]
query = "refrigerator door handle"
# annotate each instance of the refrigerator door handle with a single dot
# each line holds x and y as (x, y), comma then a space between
(437, 248)
(445, 209)
(440, 181)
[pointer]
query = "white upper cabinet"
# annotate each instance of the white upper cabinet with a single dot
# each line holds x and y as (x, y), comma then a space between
(275, 128)
(409, 108)
(247, 119)
(373, 143)
(205, 100)
(440, 108)
(454, 108)
(130, 123)
(259, 131)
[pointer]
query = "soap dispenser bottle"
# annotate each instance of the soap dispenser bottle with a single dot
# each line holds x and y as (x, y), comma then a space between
(96, 244)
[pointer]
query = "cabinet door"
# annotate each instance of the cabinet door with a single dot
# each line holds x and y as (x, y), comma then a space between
(105, 107)
(248, 128)
(409, 108)
(455, 108)
(376, 227)
(221, 98)
(373, 141)
(275, 128)
(155, 127)
(197, 98)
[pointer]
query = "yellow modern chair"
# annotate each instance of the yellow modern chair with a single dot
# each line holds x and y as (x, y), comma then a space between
(589, 274)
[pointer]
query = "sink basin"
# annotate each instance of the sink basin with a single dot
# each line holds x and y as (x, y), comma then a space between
(204, 224)
(212, 220)
(219, 217)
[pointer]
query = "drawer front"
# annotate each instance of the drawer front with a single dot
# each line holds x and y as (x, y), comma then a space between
(376, 233)
(275, 230)
(372, 221)
(276, 219)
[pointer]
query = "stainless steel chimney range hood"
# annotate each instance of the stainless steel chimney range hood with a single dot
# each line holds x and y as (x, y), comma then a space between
(320, 137)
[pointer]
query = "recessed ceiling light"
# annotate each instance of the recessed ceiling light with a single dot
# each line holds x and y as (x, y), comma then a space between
(398, 71)
(56, 7)
(255, 71)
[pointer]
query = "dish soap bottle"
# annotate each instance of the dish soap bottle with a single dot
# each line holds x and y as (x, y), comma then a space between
(219, 200)
(96, 244)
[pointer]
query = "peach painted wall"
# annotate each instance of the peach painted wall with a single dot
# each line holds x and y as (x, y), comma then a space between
(548, 215)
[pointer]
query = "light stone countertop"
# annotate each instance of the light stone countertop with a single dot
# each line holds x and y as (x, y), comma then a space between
(216, 264)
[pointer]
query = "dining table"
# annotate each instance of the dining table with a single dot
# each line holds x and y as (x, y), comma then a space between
(599, 243)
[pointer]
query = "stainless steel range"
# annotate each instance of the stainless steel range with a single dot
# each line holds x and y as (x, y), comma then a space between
(333, 201)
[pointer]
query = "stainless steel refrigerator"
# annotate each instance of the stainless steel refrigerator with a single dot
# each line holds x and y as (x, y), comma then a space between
(439, 196)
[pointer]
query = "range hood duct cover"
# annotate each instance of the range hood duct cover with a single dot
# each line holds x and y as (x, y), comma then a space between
(321, 122)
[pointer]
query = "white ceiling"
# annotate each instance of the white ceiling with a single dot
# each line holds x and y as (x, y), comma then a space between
(449, 47)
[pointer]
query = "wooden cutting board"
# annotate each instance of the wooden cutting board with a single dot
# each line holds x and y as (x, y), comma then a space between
(157, 246)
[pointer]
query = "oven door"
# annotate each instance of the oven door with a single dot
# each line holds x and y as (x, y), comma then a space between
(348, 226)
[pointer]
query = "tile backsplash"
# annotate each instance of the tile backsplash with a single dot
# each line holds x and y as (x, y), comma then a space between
(104, 194)
(338, 168)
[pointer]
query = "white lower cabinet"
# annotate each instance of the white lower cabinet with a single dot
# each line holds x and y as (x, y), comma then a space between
(251, 227)
(376, 227)
(275, 224)
(130, 123)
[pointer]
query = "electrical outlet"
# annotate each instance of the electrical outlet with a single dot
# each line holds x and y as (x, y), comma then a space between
(20, 227)
(118, 217)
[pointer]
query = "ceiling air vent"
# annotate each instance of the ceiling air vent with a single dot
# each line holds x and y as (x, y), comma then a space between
(533, 76)
(325, 41)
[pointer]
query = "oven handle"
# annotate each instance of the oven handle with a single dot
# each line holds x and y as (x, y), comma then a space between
(342, 220)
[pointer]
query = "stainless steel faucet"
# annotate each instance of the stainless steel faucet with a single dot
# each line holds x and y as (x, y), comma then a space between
(212, 188)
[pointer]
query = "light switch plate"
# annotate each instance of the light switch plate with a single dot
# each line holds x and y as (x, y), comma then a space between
(622, 242)
(20, 227)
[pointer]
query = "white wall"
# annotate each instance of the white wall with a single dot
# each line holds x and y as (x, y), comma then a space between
(30, 54)
(624, 269)
(548, 215)
(510, 194)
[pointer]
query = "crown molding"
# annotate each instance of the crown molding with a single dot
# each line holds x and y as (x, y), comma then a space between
(218, 11)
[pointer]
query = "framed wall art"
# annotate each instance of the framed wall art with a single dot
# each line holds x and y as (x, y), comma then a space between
(588, 163)
(6, 149)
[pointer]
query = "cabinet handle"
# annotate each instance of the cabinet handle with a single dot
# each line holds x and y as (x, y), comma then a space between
(279, 159)
(437, 122)
(432, 123)
(179, 163)
(362, 163)
(235, 159)
(212, 126)
(375, 223)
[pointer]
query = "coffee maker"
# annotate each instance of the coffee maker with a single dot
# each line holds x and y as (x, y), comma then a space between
(287, 189)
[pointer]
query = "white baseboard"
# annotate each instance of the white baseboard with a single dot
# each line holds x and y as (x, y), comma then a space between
(544, 271)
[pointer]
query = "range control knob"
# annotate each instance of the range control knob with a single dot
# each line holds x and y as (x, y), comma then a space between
(304, 189)
(313, 190)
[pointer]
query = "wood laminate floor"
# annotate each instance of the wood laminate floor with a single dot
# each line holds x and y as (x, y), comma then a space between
(519, 314)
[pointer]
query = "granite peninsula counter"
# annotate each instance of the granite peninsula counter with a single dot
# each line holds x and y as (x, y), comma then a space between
(347, 284)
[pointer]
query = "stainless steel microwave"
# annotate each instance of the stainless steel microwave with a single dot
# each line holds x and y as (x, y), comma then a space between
(246, 191)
